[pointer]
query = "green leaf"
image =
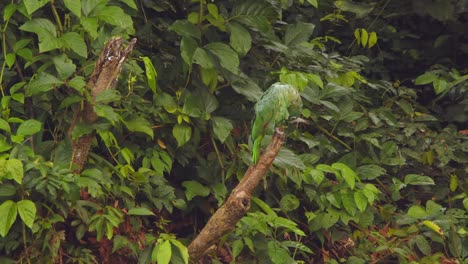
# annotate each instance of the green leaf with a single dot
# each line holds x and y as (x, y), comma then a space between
(440, 86)
(90, 24)
(5, 126)
(465, 203)
(417, 212)
(360, 9)
(7, 189)
(247, 88)
(289, 202)
(415, 179)
(347, 198)
(182, 250)
(130, 3)
(9, 10)
(27, 212)
(200, 104)
(78, 83)
(221, 127)
(140, 211)
(75, 42)
(423, 245)
(185, 28)
(264, 206)
(10, 59)
(237, 247)
(313, 3)
(151, 74)
(115, 15)
(315, 79)
(372, 39)
(41, 83)
(33, 5)
(228, 58)
(139, 124)
(14, 170)
(181, 133)
(107, 112)
(29, 127)
(39, 26)
(64, 66)
(426, 78)
(240, 39)
(298, 33)
(213, 10)
(364, 37)
(361, 201)
(348, 174)
(194, 188)
(453, 182)
(370, 172)
(162, 253)
(9, 213)
(107, 96)
(74, 6)
(202, 58)
(278, 254)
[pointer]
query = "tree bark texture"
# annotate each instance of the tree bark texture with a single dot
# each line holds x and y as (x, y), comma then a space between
(104, 77)
(225, 218)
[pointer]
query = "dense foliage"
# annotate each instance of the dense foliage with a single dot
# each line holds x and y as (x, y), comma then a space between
(378, 175)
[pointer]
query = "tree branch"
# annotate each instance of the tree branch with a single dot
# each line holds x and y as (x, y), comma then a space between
(104, 77)
(225, 218)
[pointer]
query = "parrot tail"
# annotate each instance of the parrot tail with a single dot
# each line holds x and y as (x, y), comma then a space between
(256, 150)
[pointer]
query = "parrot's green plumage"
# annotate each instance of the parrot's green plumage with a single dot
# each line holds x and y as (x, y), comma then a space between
(274, 108)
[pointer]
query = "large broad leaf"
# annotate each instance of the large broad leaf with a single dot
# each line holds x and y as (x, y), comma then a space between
(370, 172)
(247, 88)
(289, 202)
(64, 66)
(286, 158)
(347, 173)
(298, 33)
(415, 179)
(240, 39)
(200, 104)
(41, 83)
(9, 212)
(185, 28)
(29, 127)
(27, 212)
(194, 188)
(115, 15)
(360, 9)
(181, 133)
(256, 14)
(188, 45)
(139, 124)
(278, 254)
(162, 252)
(74, 6)
(14, 170)
(221, 127)
(202, 58)
(33, 5)
(75, 42)
(228, 58)
(151, 73)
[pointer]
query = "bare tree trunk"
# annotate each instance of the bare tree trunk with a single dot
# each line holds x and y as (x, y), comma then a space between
(104, 77)
(225, 218)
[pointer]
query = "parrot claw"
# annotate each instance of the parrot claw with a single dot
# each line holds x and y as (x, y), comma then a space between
(279, 131)
(298, 121)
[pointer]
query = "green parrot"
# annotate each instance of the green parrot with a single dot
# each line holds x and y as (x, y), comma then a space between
(273, 109)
